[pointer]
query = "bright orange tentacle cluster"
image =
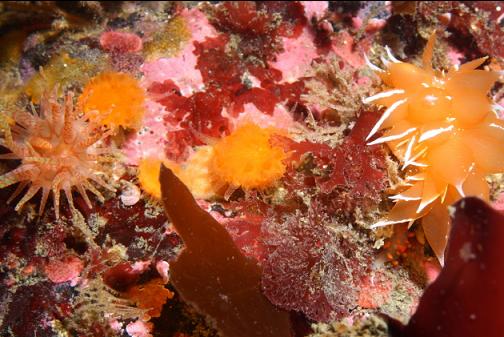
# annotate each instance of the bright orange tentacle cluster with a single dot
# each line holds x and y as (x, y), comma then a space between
(246, 158)
(58, 151)
(442, 128)
(114, 100)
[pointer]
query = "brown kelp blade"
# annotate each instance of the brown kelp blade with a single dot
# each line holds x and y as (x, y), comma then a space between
(213, 275)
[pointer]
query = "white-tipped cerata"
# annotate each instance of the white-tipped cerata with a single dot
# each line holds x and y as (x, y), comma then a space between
(384, 223)
(413, 157)
(384, 117)
(383, 94)
(497, 126)
(426, 202)
(392, 137)
(404, 197)
(433, 133)
(409, 150)
(385, 61)
(390, 55)
(371, 65)
(416, 177)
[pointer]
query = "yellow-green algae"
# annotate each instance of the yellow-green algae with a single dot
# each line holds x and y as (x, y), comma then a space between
(169, 41)
(63, 71)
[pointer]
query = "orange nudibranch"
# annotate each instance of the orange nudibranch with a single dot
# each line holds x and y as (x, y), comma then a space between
(443, 129)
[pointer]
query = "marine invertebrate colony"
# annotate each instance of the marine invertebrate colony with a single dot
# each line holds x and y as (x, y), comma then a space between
(442, 128)
(114, 99)
(246, 158)
(58, 151)
(148, 176)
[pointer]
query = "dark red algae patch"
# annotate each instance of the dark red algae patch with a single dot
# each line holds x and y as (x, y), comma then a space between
(212, 274)
(466, 299)
(33, 308)
(355, 173)
(306, 247)
(140, 230)
(309, 269)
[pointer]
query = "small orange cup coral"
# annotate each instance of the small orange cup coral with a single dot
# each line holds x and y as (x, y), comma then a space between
(442, 128)
(58, 151)
(247, 159)
(114, 99)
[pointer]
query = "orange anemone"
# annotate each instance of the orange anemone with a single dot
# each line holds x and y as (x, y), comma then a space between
(443, 129)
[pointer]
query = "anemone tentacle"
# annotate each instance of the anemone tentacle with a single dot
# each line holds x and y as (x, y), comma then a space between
(59, 151)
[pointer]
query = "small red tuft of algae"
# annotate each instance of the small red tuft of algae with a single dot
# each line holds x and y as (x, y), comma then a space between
(64, 269)
(121, 42)
(213, 275)
(298, 252)
(355, 175)
(300, 246)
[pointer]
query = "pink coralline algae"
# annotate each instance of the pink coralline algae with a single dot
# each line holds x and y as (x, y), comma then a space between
(124, 49)
(181, 69)
(314, 9)
(295, 59)
(169, 81)
(138, 329)
(149, 141)
(280, 117)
